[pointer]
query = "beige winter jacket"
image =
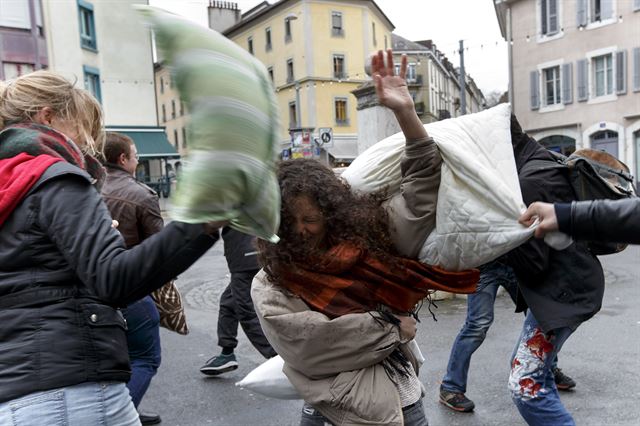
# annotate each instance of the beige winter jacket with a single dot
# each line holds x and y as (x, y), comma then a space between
(336, 364)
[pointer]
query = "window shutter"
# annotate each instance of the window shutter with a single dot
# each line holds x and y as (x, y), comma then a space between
(583, 93)
(543, 16)
(607, 9)
(621, 72)
(581, 7)
(636, 69)
(567, 83)
(553, 16)
(534, 80)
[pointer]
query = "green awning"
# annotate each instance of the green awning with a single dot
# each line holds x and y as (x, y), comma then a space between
(151, 142)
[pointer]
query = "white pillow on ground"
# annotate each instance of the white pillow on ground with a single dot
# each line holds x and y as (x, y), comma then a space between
(269, 380)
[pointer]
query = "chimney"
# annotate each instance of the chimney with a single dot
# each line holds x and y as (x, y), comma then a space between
(223, 15)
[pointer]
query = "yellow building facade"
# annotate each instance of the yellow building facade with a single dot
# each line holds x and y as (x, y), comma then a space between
(315, 51)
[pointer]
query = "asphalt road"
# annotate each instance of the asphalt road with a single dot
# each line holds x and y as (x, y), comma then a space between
(603, 356)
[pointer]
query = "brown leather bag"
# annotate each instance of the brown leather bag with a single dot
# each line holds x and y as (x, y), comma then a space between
(170, 307)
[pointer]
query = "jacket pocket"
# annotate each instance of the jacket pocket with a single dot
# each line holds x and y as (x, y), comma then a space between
(108, 339)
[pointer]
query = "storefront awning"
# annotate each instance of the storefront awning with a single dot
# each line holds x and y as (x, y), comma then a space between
(151, 142)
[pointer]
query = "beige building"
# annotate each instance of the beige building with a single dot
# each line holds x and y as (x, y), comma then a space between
(104, 47)
(172, 113)
(315, 51)
(575, 73)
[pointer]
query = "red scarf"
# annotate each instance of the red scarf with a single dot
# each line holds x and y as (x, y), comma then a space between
(348, 280)
(27, 150)
(17, 177)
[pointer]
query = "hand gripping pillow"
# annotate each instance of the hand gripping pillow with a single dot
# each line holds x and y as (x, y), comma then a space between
(479, 200)
(229, 173)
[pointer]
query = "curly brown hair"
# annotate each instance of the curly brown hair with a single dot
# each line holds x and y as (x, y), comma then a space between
(356, 218)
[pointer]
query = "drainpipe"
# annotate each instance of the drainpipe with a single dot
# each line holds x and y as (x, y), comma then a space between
(510, 58)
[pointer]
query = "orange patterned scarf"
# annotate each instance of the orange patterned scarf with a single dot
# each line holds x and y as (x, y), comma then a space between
(346, 279)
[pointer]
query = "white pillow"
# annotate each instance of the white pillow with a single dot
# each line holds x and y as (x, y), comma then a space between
(269, 380)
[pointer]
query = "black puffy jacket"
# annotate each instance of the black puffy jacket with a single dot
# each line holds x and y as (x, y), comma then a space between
(563, 288)
(63, 272)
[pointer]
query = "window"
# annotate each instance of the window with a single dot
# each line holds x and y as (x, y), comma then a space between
(164, 114)
(176, 142)
(14, 70)
(373, 32)
(270, 71)
(600, 10)
(181, 108)
(290, 76)
(87, 26)
(602, 75)
(340, 106)
(161, 85)
(336, 24)
(293, 116)
(551, 85)
(338, 66)
(15, 14)
(92, 82)
(184, 137)
(173, 109)
(250, 45)
(411, 73)
(548, 17)
(287, 30)
(594, 11)
(39, 20)
(267, 34)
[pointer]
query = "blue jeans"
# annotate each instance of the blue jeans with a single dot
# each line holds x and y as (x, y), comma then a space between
(105, 403)
(479, 319)
(413, 416)
(143, 338)
(531, 382)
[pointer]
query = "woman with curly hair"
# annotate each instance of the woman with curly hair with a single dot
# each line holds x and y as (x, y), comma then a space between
(337, 296)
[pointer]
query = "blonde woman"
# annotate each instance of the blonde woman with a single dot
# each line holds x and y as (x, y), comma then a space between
(64, 269)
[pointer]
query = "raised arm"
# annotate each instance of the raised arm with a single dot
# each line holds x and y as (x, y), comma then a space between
(412, 212)
(393, 93)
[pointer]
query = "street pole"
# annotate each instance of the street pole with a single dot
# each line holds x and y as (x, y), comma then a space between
(463, 81)
(298, 118)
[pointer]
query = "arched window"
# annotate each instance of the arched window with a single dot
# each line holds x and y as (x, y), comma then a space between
(562, 144)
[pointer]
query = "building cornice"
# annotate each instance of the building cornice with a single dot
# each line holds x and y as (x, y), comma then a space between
(277, 7)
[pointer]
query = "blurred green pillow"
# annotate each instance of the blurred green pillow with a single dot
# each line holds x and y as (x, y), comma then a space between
(229, 173)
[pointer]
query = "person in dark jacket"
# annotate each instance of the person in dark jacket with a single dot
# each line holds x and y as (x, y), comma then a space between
(64, 270)
(236, 305)
(616, 221)
(136, 208)
(559, 290)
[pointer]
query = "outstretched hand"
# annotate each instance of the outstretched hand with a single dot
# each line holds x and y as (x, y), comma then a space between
(391, 89)
(545, 213)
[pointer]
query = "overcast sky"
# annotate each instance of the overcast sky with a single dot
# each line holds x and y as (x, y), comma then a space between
(443, 21)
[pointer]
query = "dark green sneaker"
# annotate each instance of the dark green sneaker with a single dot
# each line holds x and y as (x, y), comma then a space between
(456, 401)
(219, 364)
(563, 382)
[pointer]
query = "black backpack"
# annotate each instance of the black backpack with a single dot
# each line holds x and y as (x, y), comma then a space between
(594, 175)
